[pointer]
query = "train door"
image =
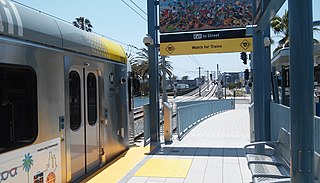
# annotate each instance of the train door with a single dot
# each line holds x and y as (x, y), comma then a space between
(84, 120)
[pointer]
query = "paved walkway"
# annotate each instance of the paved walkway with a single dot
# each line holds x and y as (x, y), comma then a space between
(211, 152)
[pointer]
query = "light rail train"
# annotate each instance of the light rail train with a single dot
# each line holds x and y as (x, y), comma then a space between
(63, 98)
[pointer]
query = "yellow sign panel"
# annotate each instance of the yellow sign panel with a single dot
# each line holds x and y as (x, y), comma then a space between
(206, 46)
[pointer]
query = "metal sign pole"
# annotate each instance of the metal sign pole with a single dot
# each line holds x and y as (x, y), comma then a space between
(258, 85)
(153, 74)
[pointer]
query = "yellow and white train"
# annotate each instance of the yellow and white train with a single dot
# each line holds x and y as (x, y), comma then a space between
(63, 98)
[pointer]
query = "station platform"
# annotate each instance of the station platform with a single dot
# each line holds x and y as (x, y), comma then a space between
(211, 152)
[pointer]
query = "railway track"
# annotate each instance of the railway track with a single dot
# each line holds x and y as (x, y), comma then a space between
(139, 113)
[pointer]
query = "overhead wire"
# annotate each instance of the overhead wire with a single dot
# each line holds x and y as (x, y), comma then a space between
(196, 60)
(179, 68)
(138, 7)
(134, 10)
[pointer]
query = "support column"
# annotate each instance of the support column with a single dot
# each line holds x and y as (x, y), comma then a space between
(266, 71)
(258, 82)
(301, 91)
(153, 76)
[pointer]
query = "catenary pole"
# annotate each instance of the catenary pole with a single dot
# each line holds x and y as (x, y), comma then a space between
(153, 74)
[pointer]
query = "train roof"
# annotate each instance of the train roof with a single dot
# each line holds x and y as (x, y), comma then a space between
(27, 24)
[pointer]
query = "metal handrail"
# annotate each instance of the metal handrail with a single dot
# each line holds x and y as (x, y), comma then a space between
(189, 115)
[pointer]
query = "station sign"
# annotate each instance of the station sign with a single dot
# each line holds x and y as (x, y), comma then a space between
(205, 42)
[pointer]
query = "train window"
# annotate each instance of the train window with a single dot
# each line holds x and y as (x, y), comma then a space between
(18, 107)
(75, 100)
(92, 98)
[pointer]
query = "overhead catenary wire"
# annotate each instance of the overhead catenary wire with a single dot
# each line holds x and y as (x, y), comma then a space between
(179, 68)
(193, 73)
(134, 10)
(138, 7)
(194, 60)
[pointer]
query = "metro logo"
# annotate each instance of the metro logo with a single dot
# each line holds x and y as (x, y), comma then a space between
(9, 19)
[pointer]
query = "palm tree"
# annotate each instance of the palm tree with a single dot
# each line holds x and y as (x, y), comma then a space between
(140, 64)
(280, 26)
(27, 163)
(83, 23)
(184, 77)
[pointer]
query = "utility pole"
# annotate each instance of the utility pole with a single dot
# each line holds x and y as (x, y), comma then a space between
(208, 79)
(218, 72)
(199, 81)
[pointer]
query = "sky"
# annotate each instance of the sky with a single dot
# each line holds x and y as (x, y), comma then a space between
(116, 20)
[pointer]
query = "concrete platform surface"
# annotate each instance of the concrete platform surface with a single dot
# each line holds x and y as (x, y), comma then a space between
(215, 148)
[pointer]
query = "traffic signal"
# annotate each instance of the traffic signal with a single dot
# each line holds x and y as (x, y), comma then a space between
(243, 56)
(246, 74)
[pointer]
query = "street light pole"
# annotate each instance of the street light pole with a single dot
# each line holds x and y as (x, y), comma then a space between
(199, 81)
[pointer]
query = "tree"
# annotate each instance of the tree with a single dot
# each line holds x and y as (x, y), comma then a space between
(280, 26)
(83, 23)
(184, 77)
(139, 61)
(174, 78)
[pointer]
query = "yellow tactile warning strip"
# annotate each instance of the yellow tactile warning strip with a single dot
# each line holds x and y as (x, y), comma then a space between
(165, 167)
(117, 170)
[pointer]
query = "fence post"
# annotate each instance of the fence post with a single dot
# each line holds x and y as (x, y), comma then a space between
(167, 122)
(146, 126)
